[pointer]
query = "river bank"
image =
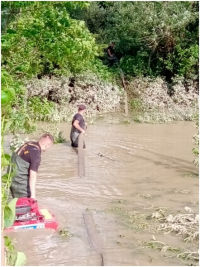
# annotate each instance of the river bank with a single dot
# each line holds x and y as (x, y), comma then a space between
(149, 100)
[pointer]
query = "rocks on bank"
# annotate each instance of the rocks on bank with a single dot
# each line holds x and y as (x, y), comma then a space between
(161, 102)
(150, 100)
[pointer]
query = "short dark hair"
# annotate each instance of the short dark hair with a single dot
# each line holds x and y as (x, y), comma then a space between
(81, 107)
(45, 135)
(113, 43)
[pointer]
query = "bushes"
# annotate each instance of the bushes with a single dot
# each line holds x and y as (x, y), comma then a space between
(98, 95)
(39, 108)
(152, 38)
(150, 96)
(55, 132)
(11, 121)
(34, 44)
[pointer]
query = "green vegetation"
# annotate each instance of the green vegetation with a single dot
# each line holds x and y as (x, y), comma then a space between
(65, 232)
(40, 107)
(13, 258)
(55, 132)
(9, 124)
(66, 39)
(152, 38)
(43, 39)
(14, 105)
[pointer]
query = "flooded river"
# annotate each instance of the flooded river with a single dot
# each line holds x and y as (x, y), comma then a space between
(130, 169)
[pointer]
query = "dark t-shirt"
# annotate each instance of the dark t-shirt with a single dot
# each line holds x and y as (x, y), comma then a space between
(111, 50)
(79, 118)
(31, 152)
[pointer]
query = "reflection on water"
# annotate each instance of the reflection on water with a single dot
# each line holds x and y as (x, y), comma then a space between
(140, 166)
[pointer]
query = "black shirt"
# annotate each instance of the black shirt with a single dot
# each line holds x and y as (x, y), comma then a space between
(31, 152)
(79, 118)
(111, 50)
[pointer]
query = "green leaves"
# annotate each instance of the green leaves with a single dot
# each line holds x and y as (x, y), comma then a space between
(5, 97)
(9, 213)
(45, 34)
(7, 91)
(8, 217)
(13, 257)
(48, 35)
(7, 94)
(13, 110)
(40, 108)
(21, 259)
(147, 33)
(4, 178)
(5, 160)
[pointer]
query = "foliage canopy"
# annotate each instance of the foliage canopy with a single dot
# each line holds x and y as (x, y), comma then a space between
(43, 38)
(152, 38)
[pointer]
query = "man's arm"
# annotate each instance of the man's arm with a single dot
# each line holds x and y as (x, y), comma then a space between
(109, 53)
(32, 182)
(77, 126)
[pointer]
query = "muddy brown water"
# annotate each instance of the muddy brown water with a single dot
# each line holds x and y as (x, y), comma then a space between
(136, 168)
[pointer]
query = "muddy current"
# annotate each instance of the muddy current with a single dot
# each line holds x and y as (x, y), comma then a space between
(130, 170)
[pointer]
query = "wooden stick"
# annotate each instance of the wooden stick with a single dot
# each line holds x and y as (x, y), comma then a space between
(125, 98)
(81, 163)
(92, 233)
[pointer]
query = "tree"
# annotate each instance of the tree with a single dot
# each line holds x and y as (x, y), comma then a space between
(153, 38)
(43, 38)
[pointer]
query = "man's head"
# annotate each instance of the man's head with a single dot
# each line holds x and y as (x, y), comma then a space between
(46, 141)
(112, 44)
(81, 109)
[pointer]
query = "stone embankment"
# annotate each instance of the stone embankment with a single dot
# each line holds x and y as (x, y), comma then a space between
(153, 99)
(99, 96)
(161, 102)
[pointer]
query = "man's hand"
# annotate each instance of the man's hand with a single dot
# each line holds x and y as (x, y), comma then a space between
(77, 126)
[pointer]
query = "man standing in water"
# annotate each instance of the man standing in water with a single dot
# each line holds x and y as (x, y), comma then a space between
(25, 164)
(78, 126)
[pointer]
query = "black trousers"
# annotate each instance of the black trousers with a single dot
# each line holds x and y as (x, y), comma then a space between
(75, 142)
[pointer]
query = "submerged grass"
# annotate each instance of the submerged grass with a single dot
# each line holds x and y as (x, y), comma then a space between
(65, 232)
(185, 225)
